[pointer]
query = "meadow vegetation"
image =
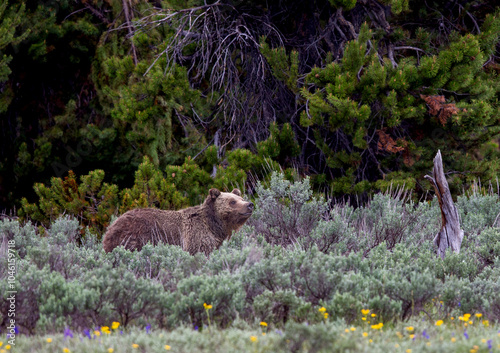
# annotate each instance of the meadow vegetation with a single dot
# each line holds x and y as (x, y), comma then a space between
(311, 274)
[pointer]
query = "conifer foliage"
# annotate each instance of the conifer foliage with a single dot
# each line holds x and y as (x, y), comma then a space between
(358, 95)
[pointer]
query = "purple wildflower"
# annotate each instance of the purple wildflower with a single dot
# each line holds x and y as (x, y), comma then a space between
(196, 327)
(490, 345)
(121, 332)
(68, 333)
(279, 332)
(466, 335)
(148, 328)
(86, 332)
(424, 333)
(16, 330)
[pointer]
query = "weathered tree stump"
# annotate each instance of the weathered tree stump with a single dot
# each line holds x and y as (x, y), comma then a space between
(450, 235)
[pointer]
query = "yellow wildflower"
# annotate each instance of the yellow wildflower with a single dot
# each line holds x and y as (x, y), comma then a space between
(365, 311)
(97, 333)
(466, 317)
(66, 350)
(110, 350)
(105, 329)
(207, 306)
(470, 322)
(325, 315)
(486, 323)
(7, 347)
(135, 345)
(353, 328)
(478, 315)
(322, 309)
(409, 328)
(263, 323)
(377, 326)
(167, 347)
(396, 345)
(363, 318)
(412, 336)
(365, 334)
(408, 351)
(115, 325)
(439, 322)
(253, 338)
(49, 340)
(453, 339)
(370, 340)
(347, 330)
(373, 315)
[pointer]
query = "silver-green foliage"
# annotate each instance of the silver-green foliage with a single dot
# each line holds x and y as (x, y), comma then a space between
(297, 253)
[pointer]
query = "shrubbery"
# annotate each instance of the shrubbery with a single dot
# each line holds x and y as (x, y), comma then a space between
(296, 254)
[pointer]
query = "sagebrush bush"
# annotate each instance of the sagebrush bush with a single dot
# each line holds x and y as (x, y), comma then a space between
(298, 253)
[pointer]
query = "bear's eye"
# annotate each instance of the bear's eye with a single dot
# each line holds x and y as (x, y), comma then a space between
(232, 202)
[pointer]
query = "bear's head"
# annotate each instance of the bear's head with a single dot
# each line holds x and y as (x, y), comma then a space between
(229, 208)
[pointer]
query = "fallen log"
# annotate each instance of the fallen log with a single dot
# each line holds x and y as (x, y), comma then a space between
(450, 235)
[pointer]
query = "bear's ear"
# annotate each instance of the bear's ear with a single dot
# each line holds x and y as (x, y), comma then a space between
(236, 192)
(214, 193)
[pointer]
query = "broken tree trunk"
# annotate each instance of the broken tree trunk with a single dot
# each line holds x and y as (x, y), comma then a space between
(450, 235)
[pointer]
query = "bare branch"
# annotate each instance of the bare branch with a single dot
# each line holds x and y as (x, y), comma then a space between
(130, 27)
(407, 47)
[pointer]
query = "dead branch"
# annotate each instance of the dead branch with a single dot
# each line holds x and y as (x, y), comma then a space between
(228, 58)
(390, 54)
(450, 235)
(407, 47)
(130, 26)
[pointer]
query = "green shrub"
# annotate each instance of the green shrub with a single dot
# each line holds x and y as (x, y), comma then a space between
(297, 253)
(487, 246)
(92, 201)
(286, 212)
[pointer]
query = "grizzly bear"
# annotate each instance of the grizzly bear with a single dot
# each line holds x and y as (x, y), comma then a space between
(200, 228)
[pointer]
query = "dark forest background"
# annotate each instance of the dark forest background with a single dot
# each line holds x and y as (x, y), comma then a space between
(109, 105)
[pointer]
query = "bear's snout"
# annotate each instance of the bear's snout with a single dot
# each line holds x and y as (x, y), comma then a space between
(250, 206)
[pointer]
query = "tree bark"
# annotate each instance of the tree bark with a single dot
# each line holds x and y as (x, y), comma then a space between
(450, 235)
(131, 29)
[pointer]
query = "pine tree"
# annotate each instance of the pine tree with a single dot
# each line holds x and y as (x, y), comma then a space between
(375, 120)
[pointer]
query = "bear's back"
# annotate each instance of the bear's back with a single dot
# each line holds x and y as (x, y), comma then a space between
(139, 226)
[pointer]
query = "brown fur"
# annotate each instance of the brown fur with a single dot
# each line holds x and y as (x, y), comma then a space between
(196, 229)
